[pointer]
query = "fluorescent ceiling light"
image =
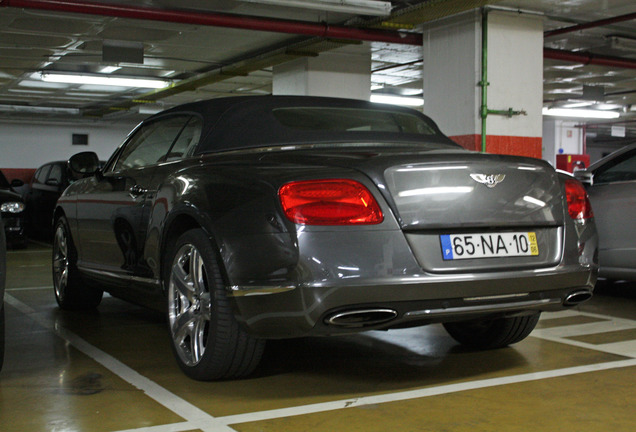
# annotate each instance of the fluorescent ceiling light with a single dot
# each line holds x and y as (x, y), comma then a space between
(104, 80)
(580, 113)
(578, 104)
(38, 110)
(145, 109)
(109, 69)
(361, 7)
(397, 100)
(604, 106)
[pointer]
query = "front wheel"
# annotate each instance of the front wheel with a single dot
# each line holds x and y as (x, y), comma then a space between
(207, 340)
(70, 290)
(492, 333)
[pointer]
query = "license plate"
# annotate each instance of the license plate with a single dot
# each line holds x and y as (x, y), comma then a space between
(489, 245)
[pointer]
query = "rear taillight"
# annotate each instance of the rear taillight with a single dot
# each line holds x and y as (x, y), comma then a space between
(329, 202)
(579, 206)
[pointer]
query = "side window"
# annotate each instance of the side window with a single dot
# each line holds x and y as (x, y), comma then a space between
(187, 140)
(42, 173)
(150, 143)
(56, 173)
(620, 169)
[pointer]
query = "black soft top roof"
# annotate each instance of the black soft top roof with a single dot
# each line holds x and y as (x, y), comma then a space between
(249, 121)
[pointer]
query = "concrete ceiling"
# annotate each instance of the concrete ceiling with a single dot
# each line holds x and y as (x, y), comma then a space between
(206, 61)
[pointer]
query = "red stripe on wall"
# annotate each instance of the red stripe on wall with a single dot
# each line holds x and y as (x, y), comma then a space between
(23, 174)
(502, 144)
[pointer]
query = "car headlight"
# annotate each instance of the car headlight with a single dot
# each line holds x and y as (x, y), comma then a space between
(12, 207)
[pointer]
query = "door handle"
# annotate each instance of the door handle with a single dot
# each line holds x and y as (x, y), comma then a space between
(137, 190)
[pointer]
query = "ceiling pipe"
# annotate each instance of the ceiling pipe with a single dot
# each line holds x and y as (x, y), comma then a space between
(589, 25)
(219, 20)
(586, 59)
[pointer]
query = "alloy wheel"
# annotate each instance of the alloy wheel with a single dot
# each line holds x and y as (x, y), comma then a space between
(60, 261)
(189, 304)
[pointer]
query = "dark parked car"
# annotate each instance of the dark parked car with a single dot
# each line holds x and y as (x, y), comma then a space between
(12, 211)
(277, 217)
(611, 184)
(46, 186)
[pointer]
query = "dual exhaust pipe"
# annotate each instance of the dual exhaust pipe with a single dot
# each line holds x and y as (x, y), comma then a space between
(360, 318)
(577, 297)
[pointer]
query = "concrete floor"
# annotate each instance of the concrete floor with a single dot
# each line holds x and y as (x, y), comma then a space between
(113, 370)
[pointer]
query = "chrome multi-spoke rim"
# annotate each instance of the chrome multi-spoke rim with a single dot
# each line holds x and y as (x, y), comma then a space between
(60, 261)
(189, 304)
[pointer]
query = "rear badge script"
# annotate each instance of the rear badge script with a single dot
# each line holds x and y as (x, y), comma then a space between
(490, 180)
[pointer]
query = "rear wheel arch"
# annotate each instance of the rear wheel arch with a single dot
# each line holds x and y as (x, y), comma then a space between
(174, 228)
(58, 213)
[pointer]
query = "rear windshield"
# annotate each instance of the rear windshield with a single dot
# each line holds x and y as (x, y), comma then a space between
(352, 120)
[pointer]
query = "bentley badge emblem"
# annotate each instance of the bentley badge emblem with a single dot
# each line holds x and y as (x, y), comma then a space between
(490, 180)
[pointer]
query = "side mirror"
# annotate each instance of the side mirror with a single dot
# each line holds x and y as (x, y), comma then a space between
(15, 183)
(83, 164)
(585, 177)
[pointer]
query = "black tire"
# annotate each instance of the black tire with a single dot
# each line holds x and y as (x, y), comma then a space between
(71, 292)
(493, 333)
(1, 334)
(207, 341)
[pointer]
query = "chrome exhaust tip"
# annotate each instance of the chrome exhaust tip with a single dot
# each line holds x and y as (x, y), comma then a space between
(577, 297)
(361, 318)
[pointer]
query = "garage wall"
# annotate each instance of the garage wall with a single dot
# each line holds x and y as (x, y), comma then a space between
(25, 147)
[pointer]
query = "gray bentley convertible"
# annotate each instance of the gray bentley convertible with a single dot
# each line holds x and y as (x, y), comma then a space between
(252, 218)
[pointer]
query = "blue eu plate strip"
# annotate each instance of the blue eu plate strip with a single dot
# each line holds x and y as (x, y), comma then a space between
(447, 248)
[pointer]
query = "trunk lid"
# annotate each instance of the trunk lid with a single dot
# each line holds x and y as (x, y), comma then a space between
(485, 204)
(472, 192)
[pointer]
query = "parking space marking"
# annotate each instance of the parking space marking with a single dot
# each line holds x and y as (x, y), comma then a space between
(586, 329)
(30, 288)
(198, 419)
(608, 324)
(627, 348)
(28, 251)
(174, 427)
(422, 393)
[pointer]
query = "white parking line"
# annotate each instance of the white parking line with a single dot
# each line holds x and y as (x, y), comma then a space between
(608, 324)
(421, 393)
(27, 251)
(30, 288)
(574, 330)
(198, 419)
(175, 427)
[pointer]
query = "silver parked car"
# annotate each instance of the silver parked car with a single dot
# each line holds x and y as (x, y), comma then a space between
(611, 185)
(3, 276)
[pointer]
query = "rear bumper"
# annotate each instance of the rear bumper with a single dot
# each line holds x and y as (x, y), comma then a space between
(14, 230)
(307, 310)
(332, 272)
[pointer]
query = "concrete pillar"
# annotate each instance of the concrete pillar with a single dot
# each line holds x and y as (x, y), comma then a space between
(452, 72)
(344, 72)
